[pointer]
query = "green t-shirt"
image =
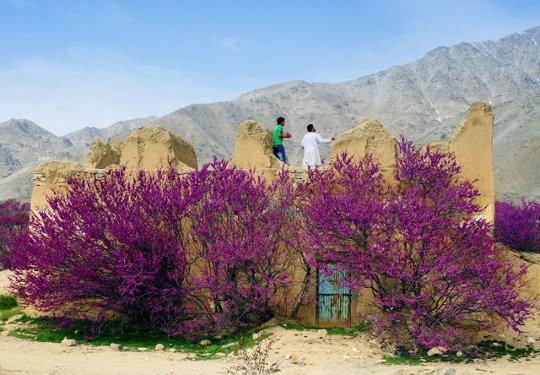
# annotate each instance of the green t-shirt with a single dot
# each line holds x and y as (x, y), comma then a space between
(277, 140)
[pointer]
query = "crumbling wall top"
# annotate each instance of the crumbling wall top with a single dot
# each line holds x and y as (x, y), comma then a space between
(254, 147)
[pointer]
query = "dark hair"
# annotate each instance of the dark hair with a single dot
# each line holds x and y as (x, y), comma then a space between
(280, 120)
(310, 128)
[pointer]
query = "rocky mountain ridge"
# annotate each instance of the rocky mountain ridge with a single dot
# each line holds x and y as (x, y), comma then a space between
(423, 100)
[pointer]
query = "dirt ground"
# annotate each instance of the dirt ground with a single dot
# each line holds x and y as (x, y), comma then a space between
(308, 352)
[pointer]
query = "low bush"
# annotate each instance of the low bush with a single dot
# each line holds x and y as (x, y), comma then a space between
(518, 226)
(198, 254)
(431, 265)
(7, 302)
(13, 218)
(110, 245)
(238, 252)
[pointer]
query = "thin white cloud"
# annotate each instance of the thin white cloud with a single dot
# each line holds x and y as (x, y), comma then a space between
(229, 44)
(63, 96)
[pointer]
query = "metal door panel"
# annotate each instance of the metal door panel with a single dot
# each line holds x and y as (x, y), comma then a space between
(333, 299)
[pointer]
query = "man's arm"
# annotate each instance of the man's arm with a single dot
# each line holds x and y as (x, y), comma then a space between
(281, 135)
(323, 140)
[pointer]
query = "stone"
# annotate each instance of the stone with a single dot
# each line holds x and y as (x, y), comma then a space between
(230, 345)
(354, 349)
(142, 349)
(322, 332)
(531, 340)
(160, 347)
(116, 346)
(459, 354)
(172, 350)
(69, 342)
(204, 342)
(436, 351)
(257, 336)
(448, 371)
(219, 354)
(287, 357)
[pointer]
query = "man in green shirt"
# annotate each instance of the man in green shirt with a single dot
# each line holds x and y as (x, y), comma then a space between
(277, 146)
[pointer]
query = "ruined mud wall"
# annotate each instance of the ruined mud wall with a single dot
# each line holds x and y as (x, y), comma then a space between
(154, 147)
(472, 145)
(147, 148)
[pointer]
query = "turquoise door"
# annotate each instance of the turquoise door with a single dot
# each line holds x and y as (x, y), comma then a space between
(333, 300)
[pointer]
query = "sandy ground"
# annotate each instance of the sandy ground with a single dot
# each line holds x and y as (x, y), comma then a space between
(311, 352)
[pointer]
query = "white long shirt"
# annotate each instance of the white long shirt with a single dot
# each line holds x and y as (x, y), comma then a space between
(310, 144)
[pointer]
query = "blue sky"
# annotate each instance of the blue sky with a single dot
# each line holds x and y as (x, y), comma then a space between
(69, 64)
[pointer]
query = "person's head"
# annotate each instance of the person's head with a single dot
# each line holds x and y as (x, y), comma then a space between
(310, 128)
(280, 121)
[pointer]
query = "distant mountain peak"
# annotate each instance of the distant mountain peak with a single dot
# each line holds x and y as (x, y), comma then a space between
(423, 100)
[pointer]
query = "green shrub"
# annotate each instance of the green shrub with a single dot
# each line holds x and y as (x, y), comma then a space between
(7, 302)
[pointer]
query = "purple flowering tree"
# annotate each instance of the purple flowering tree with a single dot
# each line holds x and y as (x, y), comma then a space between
(431, 266)
(240, 259)
(195, 254)
(518, 226)
(13, 218)
(112, 244)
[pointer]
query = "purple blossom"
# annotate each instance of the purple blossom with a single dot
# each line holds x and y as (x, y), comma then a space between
(431, 266)
(518, 226)
(13, 218)
(198, 254)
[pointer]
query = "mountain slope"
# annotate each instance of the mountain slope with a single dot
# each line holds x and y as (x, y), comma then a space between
(423, 100)
(409, 100)
(516, 149)
(24, 145)
(22, 141)
(85, 136)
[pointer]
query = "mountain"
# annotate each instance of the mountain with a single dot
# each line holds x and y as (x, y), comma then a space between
(516, 149)
(22, 141)
(411, 99)
(24, 145)
(85, 136)
(423, 100)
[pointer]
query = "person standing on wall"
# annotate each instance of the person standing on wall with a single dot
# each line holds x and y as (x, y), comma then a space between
(279, 135)
(310, 144)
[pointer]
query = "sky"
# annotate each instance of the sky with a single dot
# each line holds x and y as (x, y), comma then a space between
(67, 64)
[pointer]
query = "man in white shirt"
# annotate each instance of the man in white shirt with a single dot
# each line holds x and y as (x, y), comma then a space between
(310, 144)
